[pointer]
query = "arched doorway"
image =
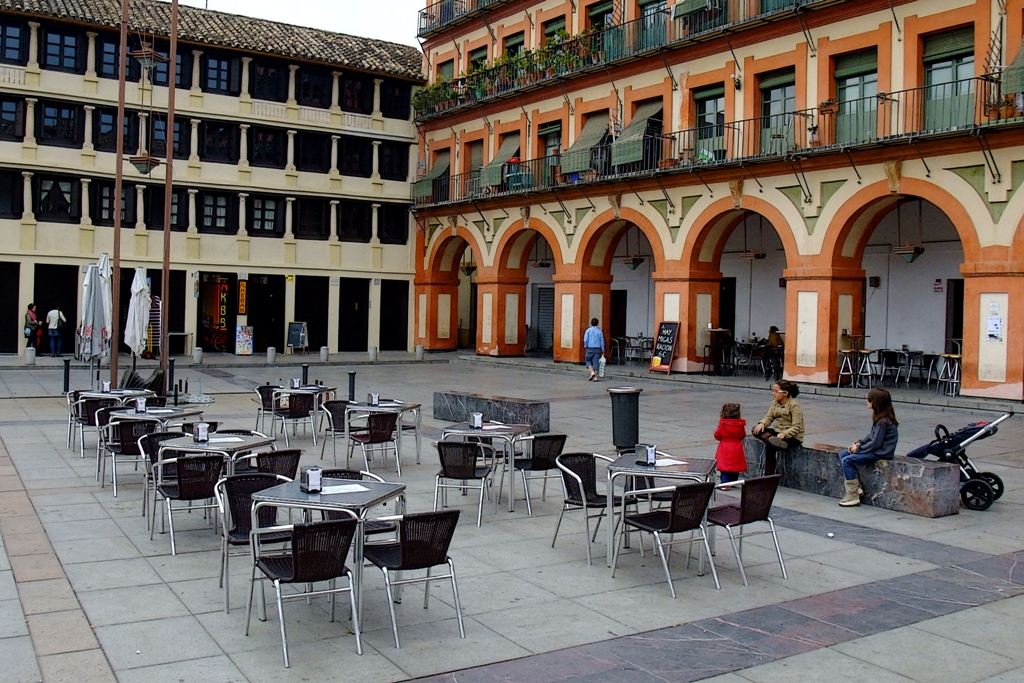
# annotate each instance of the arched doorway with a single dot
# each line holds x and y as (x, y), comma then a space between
(445, 293)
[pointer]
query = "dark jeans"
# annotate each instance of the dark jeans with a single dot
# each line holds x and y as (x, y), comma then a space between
(729, 476)
(771, 452)
(850, 461)
(55, 340)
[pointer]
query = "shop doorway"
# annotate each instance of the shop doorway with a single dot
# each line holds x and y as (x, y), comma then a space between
(617, 319)
(954, 315)
(727, 303)
(311, 292)
(57, 285)
(216, 313)
(12, 329)
(353, 313)
(266, 311)
(176, 314)
(394, 315)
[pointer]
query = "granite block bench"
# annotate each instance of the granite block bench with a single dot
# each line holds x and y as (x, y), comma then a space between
(456, 406)
(929, 489)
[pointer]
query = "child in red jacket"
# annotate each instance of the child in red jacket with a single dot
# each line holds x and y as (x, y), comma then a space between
(730, 432)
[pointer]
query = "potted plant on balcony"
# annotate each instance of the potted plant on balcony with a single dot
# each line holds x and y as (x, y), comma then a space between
(828, 107)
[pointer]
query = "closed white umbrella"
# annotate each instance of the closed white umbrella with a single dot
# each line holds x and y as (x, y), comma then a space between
(92, 324)
(138, 313)
(107, 299)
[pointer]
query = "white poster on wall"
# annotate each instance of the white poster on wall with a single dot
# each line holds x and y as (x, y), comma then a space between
(994, 329)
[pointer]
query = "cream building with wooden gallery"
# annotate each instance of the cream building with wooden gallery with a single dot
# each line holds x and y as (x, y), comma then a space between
(294, 152)
(846, 171)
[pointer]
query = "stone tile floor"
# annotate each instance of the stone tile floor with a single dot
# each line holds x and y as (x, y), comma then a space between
(86, 596)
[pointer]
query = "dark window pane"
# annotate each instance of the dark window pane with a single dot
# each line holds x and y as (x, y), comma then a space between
(312, 219)
(12, 120)
(357, 94)
(354, 221)
(394, 160)
(394, 99)
(60, 124)
(313, 152)
(216, 215)
(393, 223)
(62, 51)
(314, 88)
(267, 216)
(269, 147)
(356, 157)
(13, 43)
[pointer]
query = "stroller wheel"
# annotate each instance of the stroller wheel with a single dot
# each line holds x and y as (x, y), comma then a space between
(995, 482)
(977, 494)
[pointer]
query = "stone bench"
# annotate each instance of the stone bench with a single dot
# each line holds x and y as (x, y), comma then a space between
(456, 406)
(929, 489)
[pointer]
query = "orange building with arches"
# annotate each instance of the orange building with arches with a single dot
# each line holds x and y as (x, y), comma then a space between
(848, 172)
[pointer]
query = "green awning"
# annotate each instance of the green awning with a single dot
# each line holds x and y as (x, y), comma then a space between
(424, 187)
(491, 174)
(777, 79)
(549, 128)
(857, 64)
(685, 7)
(1012, 80)
(600, 9)
(629, 147)
(577, 157)
(709, 93)
(554, 26)
(942, 46)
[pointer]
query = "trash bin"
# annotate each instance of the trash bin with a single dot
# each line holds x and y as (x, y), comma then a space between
(271, 354)
(625, 416)
(372, 352)
(325, 354)
(419, 352)
(30, 356)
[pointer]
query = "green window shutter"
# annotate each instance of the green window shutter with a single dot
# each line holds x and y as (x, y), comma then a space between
(629, 147)
(1012, 79)
(600, 9)
(949, 44)
(549, 128)
(447, 70)
(685, 7)
(514, 42)
(492, 173)
(554, 26)
(857, 64)
(710, 92)
(777, 79)
(478, 55)
(577, 157)
(424, 187)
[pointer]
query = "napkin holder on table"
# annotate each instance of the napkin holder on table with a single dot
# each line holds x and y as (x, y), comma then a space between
(311, 479)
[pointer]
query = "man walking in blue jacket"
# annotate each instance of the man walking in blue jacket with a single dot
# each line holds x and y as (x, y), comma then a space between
(593, 342)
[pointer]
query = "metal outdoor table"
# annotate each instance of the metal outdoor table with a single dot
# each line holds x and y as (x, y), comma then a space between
(161, 415)
(359, 502)
(510, 434)
(230, 445)
(121, 395)
(355, 410)
(693, 469)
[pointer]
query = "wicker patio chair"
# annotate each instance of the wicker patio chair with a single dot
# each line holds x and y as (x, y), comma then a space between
(423, 541)
(149, 445)
(756, 496)
(197, 475)
(579, 482)
(121, 445)
(689, 502)
(379, 436)
(544, 449)
(459, 464)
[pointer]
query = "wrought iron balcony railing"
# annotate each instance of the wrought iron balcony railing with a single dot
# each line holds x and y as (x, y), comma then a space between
(594, 49)
(962, 107)
(442, 14)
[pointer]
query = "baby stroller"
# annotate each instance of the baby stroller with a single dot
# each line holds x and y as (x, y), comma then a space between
(978, 490)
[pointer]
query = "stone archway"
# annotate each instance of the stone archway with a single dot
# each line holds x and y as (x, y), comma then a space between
(440, 286)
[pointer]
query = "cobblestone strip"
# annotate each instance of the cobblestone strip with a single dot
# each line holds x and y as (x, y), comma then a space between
(55, 641)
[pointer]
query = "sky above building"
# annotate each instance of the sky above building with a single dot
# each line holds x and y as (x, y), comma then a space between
(393, 20)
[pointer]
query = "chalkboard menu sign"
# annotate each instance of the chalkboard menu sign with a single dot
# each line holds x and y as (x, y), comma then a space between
(664, 347)
(297, 335)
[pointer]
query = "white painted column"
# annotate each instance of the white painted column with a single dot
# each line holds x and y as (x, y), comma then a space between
(33, 49)
(30, 122)
(143, 117)
(86, 218)
(245, 78)
(192, 227)
(197, 65)
(292, 68)
(334, 220)
(193, 153)
(26, 188)
(335, 91)
(242, 196)
(334, 154)
(140, 207)
(375, 175)
(243, 144)
(290, 165)
(374, 223)
(90, 55)
(377, 82)
(289, 205)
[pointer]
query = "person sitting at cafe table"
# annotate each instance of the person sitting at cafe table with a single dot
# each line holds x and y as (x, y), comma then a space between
(783, 425)
(774, 338)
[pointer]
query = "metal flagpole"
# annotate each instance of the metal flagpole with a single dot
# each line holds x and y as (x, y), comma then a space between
(115, 283)
(165, 275)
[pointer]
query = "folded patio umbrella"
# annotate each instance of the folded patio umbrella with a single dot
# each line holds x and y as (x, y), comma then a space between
(138, 314)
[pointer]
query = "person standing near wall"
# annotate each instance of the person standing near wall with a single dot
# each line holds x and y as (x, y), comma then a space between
(55, 323)
(31, 328)
(593, 343)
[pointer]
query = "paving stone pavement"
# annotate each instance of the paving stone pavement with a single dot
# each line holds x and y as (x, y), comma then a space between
(86, 596)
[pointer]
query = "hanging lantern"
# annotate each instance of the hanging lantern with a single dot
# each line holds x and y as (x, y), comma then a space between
(147, 56)
(144, 163)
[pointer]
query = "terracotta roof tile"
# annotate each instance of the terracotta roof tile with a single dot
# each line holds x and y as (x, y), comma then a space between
(239, 32)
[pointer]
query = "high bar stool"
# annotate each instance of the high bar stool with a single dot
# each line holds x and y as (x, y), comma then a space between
(949, 374)
(865, 371)
(849, 356)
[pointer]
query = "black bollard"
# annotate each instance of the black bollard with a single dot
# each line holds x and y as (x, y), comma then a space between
(67, 375)
(170, 376)
(352, 385)
(305, 374)
(175, 395)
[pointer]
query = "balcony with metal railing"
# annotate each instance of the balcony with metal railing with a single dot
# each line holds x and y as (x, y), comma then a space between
(967, 107)
(593, 50)
(443, 14)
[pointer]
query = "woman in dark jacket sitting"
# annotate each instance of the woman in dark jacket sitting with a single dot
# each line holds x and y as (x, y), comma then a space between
(879, 444)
